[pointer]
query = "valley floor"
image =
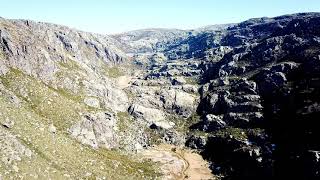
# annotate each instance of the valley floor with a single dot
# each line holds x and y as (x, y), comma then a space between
(178, 163)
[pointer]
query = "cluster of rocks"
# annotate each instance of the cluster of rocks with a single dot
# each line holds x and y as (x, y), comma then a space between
(260, 103)
(161, 104)
(188, 68)
(232, 120)
(237, 103)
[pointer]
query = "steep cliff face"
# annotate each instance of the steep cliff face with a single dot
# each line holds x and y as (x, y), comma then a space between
(260, 105)
(61, 57)
(246, 96)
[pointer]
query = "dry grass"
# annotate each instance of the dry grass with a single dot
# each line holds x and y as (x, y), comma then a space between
(58, 156)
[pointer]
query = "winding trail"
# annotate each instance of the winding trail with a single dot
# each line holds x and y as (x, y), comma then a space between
(178, 164)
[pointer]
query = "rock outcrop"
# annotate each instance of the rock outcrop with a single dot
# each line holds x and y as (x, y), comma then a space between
(96, 130)
(259, 103)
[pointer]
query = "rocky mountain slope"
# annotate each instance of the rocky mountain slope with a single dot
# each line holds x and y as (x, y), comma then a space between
(80, 105)
(70, 97)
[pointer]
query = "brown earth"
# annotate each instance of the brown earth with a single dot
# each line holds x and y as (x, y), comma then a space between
(178, 163)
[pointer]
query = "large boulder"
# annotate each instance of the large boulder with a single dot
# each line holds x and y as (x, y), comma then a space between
(92, 102)
(248, 119)
(212, 122)
(150, 115)
(243, 86)
(196, 142)
(96, 130)
(177, 101)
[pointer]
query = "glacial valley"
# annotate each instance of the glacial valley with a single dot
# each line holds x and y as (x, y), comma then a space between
(220, 102)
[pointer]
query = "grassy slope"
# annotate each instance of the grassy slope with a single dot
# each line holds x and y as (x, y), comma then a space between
(58, 155)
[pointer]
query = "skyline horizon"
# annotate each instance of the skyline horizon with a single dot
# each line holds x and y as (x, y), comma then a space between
(153, 28)
(114, 17)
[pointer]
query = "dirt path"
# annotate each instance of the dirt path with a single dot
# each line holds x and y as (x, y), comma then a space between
(179, 164)
(198, 168)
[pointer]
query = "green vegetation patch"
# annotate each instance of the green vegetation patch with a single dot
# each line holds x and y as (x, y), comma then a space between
(236, 133)
(2, 55)
(113, 72)
(57, 155)
(124, 121)
(155, 137)
(45, 101)
(70, 64)
(192, 80)
(182, 125)
(200, 133)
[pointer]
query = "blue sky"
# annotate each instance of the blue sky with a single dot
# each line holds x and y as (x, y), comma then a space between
(114, 16)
